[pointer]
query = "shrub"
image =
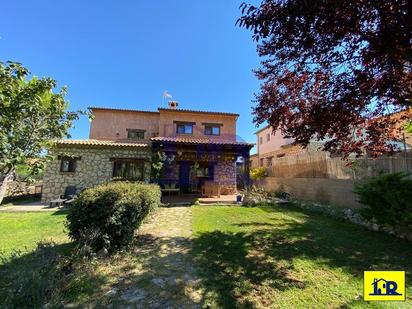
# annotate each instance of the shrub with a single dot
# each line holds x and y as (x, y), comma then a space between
(257, 173)
(388, 199)
(255, 196)
(282, 193)
(106, 216)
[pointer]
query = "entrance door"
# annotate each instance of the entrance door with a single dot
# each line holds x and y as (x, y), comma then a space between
(184, 176)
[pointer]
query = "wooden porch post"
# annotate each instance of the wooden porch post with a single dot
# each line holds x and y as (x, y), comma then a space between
(246, 159)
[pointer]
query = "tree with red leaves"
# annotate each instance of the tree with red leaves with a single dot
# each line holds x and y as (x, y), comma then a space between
(333, 70)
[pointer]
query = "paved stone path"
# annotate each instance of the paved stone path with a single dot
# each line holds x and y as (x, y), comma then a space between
(165, 278)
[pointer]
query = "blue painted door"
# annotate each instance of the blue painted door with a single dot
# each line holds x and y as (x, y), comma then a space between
(184, 175)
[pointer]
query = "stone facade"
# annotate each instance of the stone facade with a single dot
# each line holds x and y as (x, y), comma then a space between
(93, 167)
(225, 174)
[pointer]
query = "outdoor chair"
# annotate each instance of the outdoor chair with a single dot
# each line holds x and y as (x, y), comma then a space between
(67, 198)
(169, 188)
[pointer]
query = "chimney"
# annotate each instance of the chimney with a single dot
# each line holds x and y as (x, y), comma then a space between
(173, 104)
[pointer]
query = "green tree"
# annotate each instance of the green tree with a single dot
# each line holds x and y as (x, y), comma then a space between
(32, 116)
(158, 160)
(408, 127)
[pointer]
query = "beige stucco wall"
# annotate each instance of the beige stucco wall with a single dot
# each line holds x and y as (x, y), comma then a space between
(276, 140)
(338, 192)
(167, 127)
(113, 124)
(254, 161)
(94, 167)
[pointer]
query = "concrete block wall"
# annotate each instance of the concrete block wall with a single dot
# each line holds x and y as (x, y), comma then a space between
(338, 192)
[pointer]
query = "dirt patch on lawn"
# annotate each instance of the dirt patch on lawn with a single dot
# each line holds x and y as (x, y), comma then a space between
(164, 275)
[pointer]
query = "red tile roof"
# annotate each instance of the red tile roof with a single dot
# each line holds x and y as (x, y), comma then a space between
(95, 142)
(122, 109)
(162, 109)
(195, 111)
(197, 141)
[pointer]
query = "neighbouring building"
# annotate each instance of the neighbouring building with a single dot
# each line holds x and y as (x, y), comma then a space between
(198, 147)
(271, 145)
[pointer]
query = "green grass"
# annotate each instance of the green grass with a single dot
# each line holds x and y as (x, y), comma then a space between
(245, 257)
(28, 273)
(289, 258)
(22, 230)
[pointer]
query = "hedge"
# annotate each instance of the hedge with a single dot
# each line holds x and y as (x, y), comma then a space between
(106, 216)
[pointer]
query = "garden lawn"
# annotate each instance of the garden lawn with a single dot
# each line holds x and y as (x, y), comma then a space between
(290, 258)
(20, 231)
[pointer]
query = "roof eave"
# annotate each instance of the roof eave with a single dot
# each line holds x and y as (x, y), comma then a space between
(197, 112)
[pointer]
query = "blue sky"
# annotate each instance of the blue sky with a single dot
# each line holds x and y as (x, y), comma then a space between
(126, 53)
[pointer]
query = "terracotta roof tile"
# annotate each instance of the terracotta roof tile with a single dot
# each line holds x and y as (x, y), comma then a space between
(122, 109)
(198, 140)
(95, 142)
(196, 111)
(162, 109)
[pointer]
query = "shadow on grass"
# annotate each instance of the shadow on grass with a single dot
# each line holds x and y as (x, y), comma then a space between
(60, 212)
(233, 265)
(156, 272)
(27, 280)
(159, 272)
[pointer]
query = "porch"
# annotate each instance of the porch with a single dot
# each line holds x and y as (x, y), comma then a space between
(190, 199)
(207, 170)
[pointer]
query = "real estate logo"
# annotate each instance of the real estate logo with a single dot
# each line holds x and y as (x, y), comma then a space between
(383, 285)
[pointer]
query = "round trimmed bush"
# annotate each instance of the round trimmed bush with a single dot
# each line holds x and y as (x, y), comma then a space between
(106, 216)
(388, 199)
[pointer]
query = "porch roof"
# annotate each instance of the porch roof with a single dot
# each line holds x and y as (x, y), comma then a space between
(198, 141)
(95, 142)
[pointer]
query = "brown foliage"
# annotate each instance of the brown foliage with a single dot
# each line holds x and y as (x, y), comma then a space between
(330, 67)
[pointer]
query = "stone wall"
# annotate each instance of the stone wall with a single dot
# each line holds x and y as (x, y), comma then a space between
(225, 174)
(16, 188)
(93, 168)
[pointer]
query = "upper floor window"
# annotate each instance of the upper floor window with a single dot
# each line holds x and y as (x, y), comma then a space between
(267, 137)
(135, 134)
(212, 129)
(269, 161)
(184, 128)
(261, 140)
(68, 164)
(261, 162)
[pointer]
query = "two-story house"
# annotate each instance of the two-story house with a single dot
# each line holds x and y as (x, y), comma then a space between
(196, 146)
(271, 145)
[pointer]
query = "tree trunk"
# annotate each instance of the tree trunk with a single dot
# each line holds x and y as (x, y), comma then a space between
(3, 184)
